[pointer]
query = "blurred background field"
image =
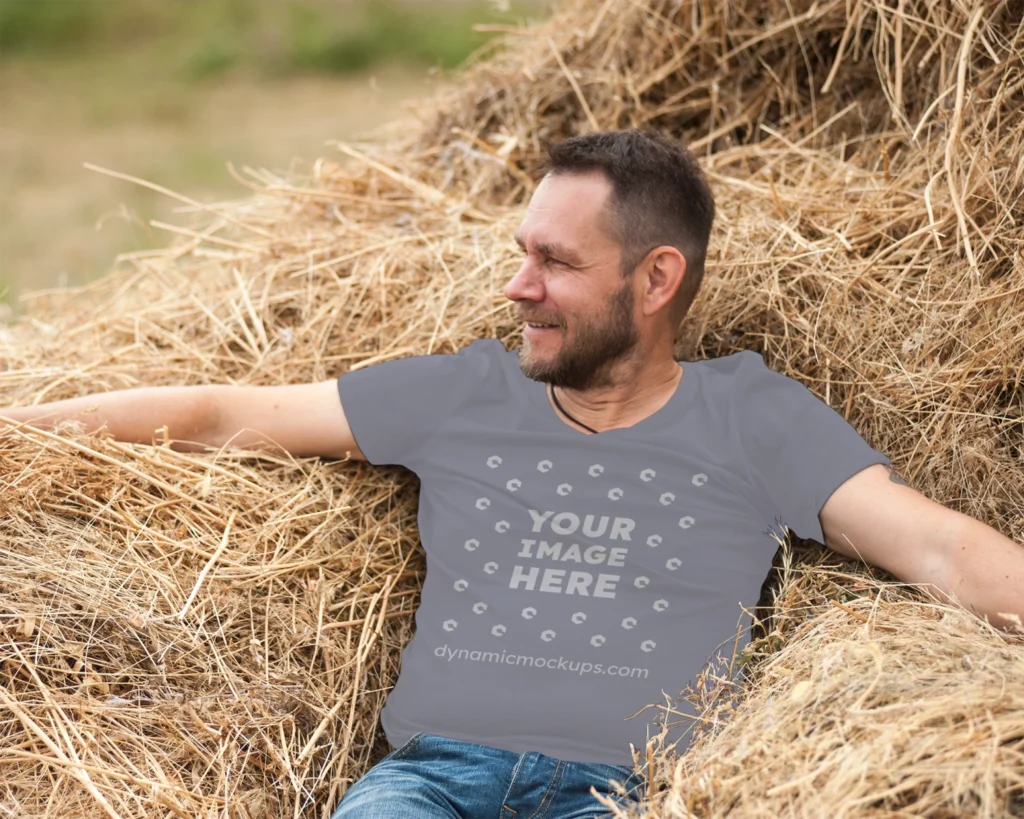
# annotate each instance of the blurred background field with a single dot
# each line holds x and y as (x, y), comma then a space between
(169, 91)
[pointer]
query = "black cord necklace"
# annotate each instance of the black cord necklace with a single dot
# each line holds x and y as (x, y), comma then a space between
(555, 397)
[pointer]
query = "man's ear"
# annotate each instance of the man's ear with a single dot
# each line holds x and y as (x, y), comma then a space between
(664, 269)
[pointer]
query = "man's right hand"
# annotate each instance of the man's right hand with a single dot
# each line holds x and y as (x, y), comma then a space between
(303, 420)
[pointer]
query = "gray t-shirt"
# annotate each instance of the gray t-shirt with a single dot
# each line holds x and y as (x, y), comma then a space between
(571, 578)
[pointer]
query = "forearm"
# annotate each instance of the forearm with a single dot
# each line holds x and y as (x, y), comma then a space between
(135, 415)
(985, 570)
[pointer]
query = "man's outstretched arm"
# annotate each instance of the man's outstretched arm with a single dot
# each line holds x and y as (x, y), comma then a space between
(877, 517)
(303, 420)
(985, 570)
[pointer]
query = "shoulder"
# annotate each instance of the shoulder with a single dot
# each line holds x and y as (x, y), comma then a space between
(478, 365)
(737, 371)
(437, 371)
(480, 358)
(478, 355)
(484, 348)
(747, 380)
(747, 367)
(730, 365)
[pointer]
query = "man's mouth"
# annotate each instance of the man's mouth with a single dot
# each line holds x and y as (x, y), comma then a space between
(538, 331)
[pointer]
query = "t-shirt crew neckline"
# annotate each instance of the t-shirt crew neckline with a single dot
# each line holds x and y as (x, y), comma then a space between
(667, 414)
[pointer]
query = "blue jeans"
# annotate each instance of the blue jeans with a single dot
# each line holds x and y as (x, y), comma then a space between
(433, 777)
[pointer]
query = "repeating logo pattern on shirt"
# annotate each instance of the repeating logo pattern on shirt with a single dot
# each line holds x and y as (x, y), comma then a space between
(555, 525)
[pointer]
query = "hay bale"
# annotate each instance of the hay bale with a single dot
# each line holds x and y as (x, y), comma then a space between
(878, 706)
(210, 635)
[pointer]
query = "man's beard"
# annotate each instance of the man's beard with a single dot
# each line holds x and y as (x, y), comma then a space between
(585, 363)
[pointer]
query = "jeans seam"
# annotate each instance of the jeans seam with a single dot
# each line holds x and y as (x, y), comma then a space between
(512, 784)
(556, 780)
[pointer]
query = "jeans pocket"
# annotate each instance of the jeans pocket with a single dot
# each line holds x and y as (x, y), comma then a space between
(404, 749)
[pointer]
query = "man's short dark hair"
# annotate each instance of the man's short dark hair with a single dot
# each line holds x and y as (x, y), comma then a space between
(659, 197)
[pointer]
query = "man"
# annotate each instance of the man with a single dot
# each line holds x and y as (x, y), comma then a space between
(594, 513)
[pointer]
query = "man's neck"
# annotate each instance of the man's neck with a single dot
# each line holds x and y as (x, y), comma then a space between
(621, 405)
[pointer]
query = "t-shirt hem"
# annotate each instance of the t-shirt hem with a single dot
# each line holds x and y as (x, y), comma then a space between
(408, 729)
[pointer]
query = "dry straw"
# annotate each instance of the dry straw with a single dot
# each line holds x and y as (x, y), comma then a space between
(213, 635)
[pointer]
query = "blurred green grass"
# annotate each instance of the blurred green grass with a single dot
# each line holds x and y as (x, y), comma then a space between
(169, 90)
(200, 39)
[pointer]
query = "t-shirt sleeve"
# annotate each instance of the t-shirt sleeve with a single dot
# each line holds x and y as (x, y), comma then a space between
(394, 408)
(799, 449)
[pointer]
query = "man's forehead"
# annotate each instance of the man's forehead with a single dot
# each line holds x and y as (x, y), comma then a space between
(587, 190)
(564, 207)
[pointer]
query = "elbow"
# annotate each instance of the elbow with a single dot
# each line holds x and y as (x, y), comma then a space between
(202, 419)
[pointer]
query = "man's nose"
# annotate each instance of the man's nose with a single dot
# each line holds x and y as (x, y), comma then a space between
(525, 285)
